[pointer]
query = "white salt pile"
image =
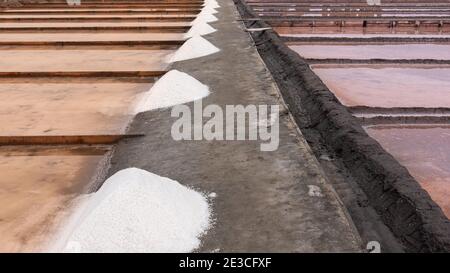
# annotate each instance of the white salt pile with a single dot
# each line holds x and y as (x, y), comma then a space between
(199, 29)
(211, 3)
(138, 211)
(208, 10)
(195, 47)
(173, 88)
(204, 18)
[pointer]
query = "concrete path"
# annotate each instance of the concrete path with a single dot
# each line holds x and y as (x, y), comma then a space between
(262, 201)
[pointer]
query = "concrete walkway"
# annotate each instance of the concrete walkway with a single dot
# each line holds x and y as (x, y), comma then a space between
(262, 201)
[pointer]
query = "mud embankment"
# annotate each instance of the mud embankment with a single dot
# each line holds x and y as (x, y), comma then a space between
(398, 198)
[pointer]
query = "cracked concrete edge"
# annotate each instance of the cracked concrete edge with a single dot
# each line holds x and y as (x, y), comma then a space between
(404, 206)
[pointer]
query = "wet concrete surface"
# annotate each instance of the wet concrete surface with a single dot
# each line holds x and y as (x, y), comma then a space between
(262, 201)
(425, 151)
(388, 86)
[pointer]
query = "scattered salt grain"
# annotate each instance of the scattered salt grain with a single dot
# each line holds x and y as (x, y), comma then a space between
(314, 191)
(212, 195)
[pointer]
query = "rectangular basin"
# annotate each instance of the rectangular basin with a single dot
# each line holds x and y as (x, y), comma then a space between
(37, 188)
(425, 152)
(388, 86)
(40, 107)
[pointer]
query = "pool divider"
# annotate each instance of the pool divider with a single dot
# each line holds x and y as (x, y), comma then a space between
(112, 18)
(116, 28)
(292, 40)
(83, 74)
(65, 139)
(149, 45)
(102, 11)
